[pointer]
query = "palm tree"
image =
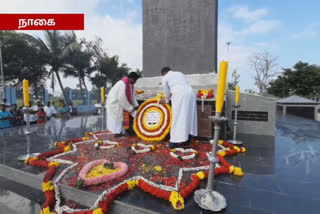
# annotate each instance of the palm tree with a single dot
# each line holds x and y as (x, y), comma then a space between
(55, 44)
(110, 71)
(78, 64)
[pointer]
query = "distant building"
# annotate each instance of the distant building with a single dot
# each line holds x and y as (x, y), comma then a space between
(299, 106)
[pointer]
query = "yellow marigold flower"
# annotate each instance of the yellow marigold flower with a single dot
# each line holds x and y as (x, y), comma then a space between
(153, 147)
(132, 184)
(85, 138)
(197, 141)
(134, 145)
(201, 175)
(26, 161)
(173, 150)
(56, 144)
(67, 149)
(117, 144)
(243, 149)
(222, 153)
(100, 141)
(236, 148)
(47, 186)
(238, 171)
(46, 211)
(220, 142)
(63, 142)
(195, 152)
(158, 168)
(228, 149)
(56, 164)
(176, 200)
(231, 169)
(97, 211)
(35, 158)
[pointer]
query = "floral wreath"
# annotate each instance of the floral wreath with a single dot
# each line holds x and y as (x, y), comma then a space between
(147, 148)
(187, 157)
(153, 120)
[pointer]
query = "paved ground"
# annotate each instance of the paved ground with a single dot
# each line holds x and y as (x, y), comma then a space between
(281, 175)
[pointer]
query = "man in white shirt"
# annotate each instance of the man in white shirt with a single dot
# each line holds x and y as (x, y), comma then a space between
(33, 112)
(50, 110)
(121, 102)
(184, 107)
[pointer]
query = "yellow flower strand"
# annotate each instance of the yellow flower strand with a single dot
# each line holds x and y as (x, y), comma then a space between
(46, 211)
(238, 171)
(97, 211)
(132, 184)
(176, 200)
(56, 164)
(201, 175)
(47, 186)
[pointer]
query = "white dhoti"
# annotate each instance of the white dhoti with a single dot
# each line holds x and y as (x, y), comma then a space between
(117, 102)
(114, 125)
(184, 114)
(184, 106)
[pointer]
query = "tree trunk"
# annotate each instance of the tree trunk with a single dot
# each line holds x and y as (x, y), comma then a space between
(81, 91)
(84, 83)
(62, 89)
(36, 91)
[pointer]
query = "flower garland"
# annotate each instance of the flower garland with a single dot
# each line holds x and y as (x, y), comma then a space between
(123, 169)
(187, 157)
(175, 195)
(157, 130)
(100, 144)
(147, 148)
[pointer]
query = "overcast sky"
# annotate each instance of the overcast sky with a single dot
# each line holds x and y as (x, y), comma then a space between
(289, 29)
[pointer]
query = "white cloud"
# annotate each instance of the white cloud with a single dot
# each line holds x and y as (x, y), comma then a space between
(120, 37)
(261, 26)
(310, 31)
(243, 13)
(255, 20)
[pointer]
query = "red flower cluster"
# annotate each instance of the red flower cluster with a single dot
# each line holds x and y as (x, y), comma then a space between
(201, 93)
(159, 193)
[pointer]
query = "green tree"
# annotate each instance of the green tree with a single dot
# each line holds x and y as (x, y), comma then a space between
(108, 69)
(303, 79)
(78, 64)
(23, 58)
(56, 44)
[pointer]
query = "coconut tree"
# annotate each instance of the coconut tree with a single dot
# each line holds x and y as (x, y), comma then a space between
(55, 45)
(78, 64)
